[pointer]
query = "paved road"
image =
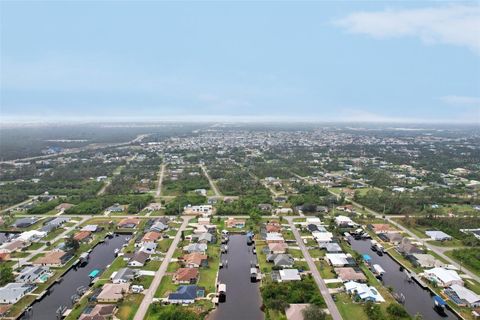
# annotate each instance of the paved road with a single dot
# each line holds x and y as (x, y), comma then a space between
(150, 292)
(212, 184)
(30, 199)
(160, 180)
(332, 307)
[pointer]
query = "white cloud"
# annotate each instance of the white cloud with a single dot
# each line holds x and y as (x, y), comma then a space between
(461, 101)
(453, 24)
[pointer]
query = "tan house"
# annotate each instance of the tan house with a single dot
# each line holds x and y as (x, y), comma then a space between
(52, 259)
(195, 260)
(112, 292)
(82, 236)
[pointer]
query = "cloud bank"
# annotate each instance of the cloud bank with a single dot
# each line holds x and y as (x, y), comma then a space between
(453, 24)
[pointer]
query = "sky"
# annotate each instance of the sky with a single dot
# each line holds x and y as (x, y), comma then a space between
(356, 61)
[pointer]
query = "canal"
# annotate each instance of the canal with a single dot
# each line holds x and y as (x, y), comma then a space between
(243, 300)
(417, 299)
(61, 293)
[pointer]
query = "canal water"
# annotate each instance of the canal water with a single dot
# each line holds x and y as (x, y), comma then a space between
(61, 293)
(417, 299)
(243, 300)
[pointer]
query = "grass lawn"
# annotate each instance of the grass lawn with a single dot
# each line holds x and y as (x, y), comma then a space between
(296, 253)
(451, 243)
(166, 286)
(144, 281)
(152, 265)
(164, 245)
(129, 306)
(317, 253)
(52, 235)
(348, 309)
(326, 271)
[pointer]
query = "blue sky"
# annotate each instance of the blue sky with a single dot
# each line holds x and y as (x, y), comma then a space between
(321, 61)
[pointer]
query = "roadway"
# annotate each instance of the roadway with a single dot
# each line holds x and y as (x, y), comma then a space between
(160, 181)
(212, 183)
(150, 292)
(332, 307)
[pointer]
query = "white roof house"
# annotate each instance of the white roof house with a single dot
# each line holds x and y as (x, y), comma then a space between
(31, 235)
(438, 235)
(469, 297)
(337, 259)
(12, 292)
(289, 275)
(274, 237)
(344, 221)
(364, 291)
(443, 277)
(322, 236)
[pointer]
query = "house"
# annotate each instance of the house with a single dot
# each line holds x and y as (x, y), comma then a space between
(12, 292)
(392, 237)
(53, 259)
(24, 222)
(443, 277)
(129, 223)
(195, 247)
(99, 312)
(195, 260)
(277, 248)
(82, 236)
(344, 222)
(273, 226)
(406, 247)
(123, 275)
(463, 296)
(186, 275)
(322, 237)
(203, 238)
(363, 291)
(113, 292)
(12, 246)
(274, 237)
(54, 224)
(381, 228)
(266, 207)
(151, 236)
(154, 207)
(235, 223)
(31, 235)
(115, 208)
(438, 235)
(331, 247)
(202, 210)
(148, 247)
(91, 228)
(63, 207)
(283, 211)
(159, 226)
(138, 259)
(424, 260)
(347, 274)
(289, 275)
(313, 220)
(186, 294)
(32, 274)
(339, 259)
(283, 261)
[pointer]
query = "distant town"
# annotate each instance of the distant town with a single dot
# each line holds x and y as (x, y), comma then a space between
(234, 221)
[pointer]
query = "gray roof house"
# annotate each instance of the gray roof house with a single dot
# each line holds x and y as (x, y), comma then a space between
(195, 247)
(54, 224)
(158, 226)
(13, 292)
(123, 275)
(283, 260)
(31, 274)
(332, 247)
(24, 222)
(203, 237)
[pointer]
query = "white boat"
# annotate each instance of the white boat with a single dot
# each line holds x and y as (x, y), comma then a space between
(378, 270)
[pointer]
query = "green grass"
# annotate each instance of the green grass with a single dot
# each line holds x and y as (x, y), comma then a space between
(152, 265)
(129, 306)
(326, 271)
(348, 309)
(166, 286)
(144, 281)
(164, 245)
